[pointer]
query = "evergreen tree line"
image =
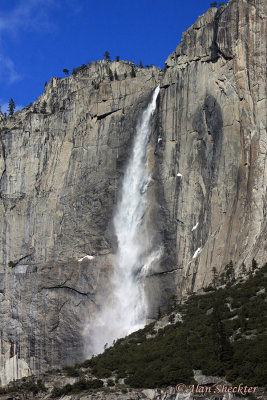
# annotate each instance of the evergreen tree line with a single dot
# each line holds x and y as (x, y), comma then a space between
(11, 108)
(107, 58)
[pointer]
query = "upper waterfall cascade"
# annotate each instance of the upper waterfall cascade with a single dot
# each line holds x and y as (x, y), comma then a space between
(127, 310)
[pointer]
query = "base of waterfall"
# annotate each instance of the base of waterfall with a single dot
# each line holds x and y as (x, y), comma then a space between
(126, 307)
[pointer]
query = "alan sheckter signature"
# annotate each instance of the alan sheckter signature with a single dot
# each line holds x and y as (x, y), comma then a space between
(240, 389)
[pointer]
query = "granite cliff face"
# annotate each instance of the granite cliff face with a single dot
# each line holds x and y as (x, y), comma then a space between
(212, 121)
(61, 165)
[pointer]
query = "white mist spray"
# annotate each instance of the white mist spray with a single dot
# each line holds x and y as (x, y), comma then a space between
(126, 311)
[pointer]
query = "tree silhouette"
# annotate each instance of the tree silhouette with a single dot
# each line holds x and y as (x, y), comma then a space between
(66, 71)
(221, 344)
(141, 64)
(133, 73)
(117, 58)
(11, 106)
(214, 4)
(107, 55)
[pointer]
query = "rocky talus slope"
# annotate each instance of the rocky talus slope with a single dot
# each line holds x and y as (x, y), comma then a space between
(158, 363)
(62, 161)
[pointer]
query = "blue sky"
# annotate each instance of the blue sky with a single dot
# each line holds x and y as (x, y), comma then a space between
(38, 38)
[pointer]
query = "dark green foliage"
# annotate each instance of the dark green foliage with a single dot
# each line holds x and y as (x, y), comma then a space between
(208, 289)
(221, 344)
(141, 64)
(229, 273)
(11, 107)
(75, 71)
(254, 265)
(53, 371)
(110, 382)
(214, 4)
(77, 387)
(117, 58)
(72, 371)
(25, 386)
(243, 268)
(172, 302)
(202, 341)
(33, 387)
(133, 73)
(66, 71)
(107, 55)
(171, 318)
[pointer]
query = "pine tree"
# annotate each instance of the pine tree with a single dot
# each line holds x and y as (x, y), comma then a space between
(214, 4)
(133, 73)
(254, 265)
(107, 55)
(230, 273)
(141, 64)
(117, 58)
(66, 71)
(221, 343)
(11, 107)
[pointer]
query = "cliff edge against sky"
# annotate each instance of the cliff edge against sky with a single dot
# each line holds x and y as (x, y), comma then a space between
(61, 166)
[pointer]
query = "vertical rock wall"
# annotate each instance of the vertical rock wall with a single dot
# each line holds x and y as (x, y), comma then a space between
(61, 164)
(62, 161)
(212, 146)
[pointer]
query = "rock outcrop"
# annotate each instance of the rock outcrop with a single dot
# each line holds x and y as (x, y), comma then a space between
(61, 164)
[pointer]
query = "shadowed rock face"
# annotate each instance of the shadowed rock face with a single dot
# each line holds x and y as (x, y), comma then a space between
(213, 129)
(61, 165)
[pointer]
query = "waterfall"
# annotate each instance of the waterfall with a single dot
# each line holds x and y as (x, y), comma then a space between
(126, 311)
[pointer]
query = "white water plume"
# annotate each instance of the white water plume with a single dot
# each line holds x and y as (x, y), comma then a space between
(127, 309)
